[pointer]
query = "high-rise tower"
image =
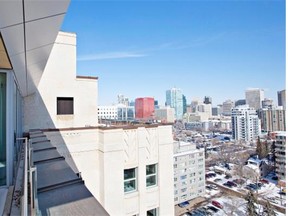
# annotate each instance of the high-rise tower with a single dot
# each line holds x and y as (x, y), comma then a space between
(174, 99)
(254, 97)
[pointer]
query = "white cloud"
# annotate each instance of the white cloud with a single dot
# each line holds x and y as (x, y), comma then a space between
(110, 55)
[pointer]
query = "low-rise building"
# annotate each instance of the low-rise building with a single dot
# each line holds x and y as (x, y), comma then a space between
(257, 168)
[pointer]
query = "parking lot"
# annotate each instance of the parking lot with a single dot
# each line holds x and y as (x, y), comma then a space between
(229, 192)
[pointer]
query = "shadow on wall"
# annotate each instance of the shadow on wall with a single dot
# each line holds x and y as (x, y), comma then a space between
(37, 117)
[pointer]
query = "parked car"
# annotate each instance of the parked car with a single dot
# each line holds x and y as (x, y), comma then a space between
(214, 187)
(217, 204)
(264, 181)
(228, 176)
(227, 185)
(183, 204)
(208, 187)
(232, 183)
(212, 208)
(250, 188)
(217, 180)
(239, 181)
(197, 213)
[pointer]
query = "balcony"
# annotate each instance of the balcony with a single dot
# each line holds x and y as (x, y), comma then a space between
(50, 187)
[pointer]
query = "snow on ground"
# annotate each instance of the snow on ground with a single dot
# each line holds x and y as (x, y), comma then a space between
(233, 206)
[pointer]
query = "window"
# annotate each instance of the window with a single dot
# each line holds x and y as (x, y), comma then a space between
(130, 183)
(65, 105)
(152, 212)
(151, 175)
(183, 177)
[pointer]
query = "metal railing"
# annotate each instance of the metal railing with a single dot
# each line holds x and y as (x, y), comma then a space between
(30, 177)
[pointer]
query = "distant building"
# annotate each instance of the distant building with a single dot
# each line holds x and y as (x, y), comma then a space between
(267, 103)
(246, 125)
(227, 107)
(165, 114)
(216, 111)
(272, 119)
(107, 112)
(194, 104)
(282, 98)
(189, 172)
(184, 104)
(207, 100)
(156, 104)
(240, 102)
(123, 100)
(144, 108)
(281, 154)
(174, 99)
(125, 113)
(202, 112)
(254, 97)
(132, 103)
(116, 112)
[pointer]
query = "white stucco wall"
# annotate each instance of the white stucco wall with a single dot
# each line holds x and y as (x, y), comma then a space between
(136, 148)
(101, 155)
(59, 80)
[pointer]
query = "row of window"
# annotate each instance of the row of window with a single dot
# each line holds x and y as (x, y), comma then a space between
(130, 178)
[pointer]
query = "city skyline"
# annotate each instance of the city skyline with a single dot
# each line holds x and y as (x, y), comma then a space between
(141, 49)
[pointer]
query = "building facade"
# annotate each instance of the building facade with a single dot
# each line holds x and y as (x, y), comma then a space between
(107, 112)
(174, 99)
(273, 119)
(280, 149)
(227, 107)
(267, 103)
(281, 95)
(165, 114)
(119, 112)
(144, 108)
(189, 172)
(207, 100)
(254, 97)
(246, 125)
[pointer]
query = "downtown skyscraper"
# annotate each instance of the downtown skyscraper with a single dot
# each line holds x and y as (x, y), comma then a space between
(174, 99)
(254, 97)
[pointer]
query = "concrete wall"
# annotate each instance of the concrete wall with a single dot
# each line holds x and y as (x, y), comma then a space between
(101, 155)
(59, 80)
(136, 148)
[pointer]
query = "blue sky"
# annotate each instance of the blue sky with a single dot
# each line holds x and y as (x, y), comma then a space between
(214, 48)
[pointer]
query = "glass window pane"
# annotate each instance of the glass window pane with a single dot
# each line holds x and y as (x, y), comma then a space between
(129, 186)
(151, 180)
(150, 169)
(129, 173)
(152, 212)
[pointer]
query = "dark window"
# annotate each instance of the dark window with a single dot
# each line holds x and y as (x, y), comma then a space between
(65, 106)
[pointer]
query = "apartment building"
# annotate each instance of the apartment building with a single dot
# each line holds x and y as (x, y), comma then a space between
(246, 125)
(280, 154)
(189, 172)
(273, 119)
